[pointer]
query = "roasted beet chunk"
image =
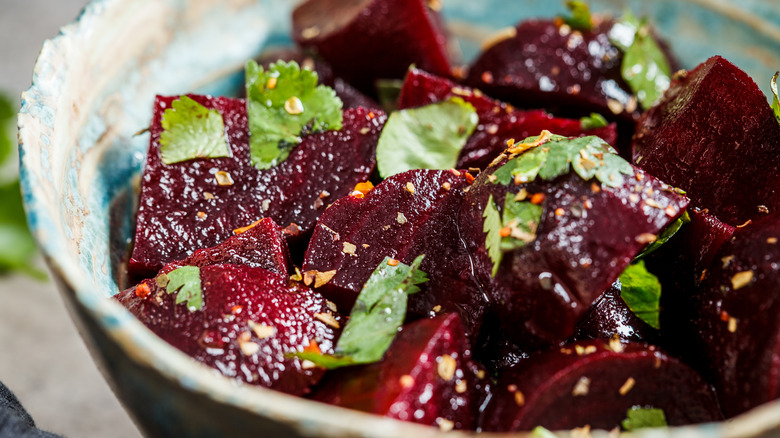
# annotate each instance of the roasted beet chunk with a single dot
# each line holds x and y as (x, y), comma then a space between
(595, 383)
(199, 203)
(498, 122)
(409, 214)
(739, 317)
(427, 376)
(250, 320)
(365, 40)
(564, 241)
(610, 316)
(714, 135)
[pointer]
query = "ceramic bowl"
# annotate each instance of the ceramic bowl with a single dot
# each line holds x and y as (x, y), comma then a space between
(93, 88)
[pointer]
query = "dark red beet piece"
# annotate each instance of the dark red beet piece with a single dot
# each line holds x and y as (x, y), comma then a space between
(498, 122)
(365, 40)
(595, 383)
(408, 214)
(427, 376)
(588, 234)
(739, 317)
(610, 316)
(714, 135)
(324, 167)
(349, 95)
(250, 319)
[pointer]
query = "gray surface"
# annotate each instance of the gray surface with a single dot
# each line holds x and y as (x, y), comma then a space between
(43, 359)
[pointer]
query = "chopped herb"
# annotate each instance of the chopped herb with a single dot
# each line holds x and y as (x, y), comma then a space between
(594, 121)
(428, 137)
(644, 66)
(185, 282)
(776, 100)
(665, 235)
(590, 157)
(281, 103)
(580, 18)
(641, 291)
(378, 313)
(516, 229)
(640, 418)
(191, 131)
(492, 228)
(541, 432)
(388, 92)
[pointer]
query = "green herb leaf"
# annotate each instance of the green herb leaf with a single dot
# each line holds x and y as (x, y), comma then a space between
(640, 418)
(7, 113)
(377, 315)
(191, 131)
(580, 16)
(644, 67)
(641, 292)
(594, 121)
(428, 137)
(185, 281)
(665, 235)
(541, 432)
(776, 101)
(281, 102)
(521, 218)
(492, 228)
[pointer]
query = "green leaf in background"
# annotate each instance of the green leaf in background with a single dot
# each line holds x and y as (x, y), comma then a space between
(665, 235)
(644, 66)
(594, 121)
(191, 131)
(641, 292)
(281, 102)
(541, 432)
(185, 282)
(378, 313)
(776, 101)
(7, 113)
(580, 18)
(640, 418)
(428, 137)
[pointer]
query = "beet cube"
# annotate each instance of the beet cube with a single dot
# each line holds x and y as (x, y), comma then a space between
(498, 122)
(408, 214)
(738, 317)
(610, 316)
(365, 40)
(595, 383)
(184, 206)
(714, 135)
(427, 376)
(587, 236)
(250, 319)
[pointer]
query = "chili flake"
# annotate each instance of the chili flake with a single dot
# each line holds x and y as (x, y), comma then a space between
(142, 291)
(246, 228)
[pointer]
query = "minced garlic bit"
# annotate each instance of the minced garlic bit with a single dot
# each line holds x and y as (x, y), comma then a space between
(401, 219)
(670, 211)
(307, 364)
(646, 238)
(406, 381)
(310, 32)
(615, 106)
(461, 386)
(262, 331)
(560, 211)
(521, 195)
(246, 228)
(410, 187)
(208, 195)
(436, 308)
(328, 319)
(727, 260)
(581, 432)
(634, 198)
(445, 425)
(615, 344)
(581, 387)
(293, 106)
(481, 374)
(741, 279)
(732, 327)
(266, 204)
(322, 278)
(519, 148)
(650, 202)
(446, 185)
(365, 245)
(331, 305)
(349, 248)
(223, 178)
(446, 367)
(584, 351)
(771, 240)
(627, 386)
(247, 347)
(363, 188)
(631, 104)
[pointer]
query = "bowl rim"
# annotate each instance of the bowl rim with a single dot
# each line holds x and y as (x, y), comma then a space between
(135, 339)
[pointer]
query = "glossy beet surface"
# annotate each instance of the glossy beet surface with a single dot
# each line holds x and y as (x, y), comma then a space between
(714, 135)
(427, 376)
(588, 234)
(498, 122)
(739, 317)
(251, 318)
(324, 167)
(595, 383)
(609, 316)
(365, 40)
(409, 214)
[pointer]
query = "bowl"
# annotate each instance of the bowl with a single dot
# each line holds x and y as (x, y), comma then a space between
(81, 157)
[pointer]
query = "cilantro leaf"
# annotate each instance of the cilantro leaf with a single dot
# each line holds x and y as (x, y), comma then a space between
(641, 292)
(594, 121)
(542, 432)
(281, 102)
(580, 16)
(492, 228)
(776, 101)
(639, 418)
(191, 131)
(428, 137)
(378, 313)
(645, 67)
(185, 281)
(520, 220)
(665, 235)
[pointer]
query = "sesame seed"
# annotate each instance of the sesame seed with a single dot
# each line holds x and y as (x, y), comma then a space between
(349, 248)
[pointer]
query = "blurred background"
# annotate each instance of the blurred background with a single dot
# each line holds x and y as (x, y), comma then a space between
(42, 358)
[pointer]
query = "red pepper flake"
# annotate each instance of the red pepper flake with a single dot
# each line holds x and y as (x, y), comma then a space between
(487, 77)
(724, 316)
(587, 204)
(312, 348)
(235, 310)
(446, 186)
(537, 198)
(393, 262)
(271, 84)
(595, 188)
(142, 291)
(246, 228)
(559, 211)
(363, 188)
(371, 115)
(469, 178)
(292, 230)
(324, 194)
(505, 232)
(763, 209)
(671, 211)
(748, 222)
(201, 215)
